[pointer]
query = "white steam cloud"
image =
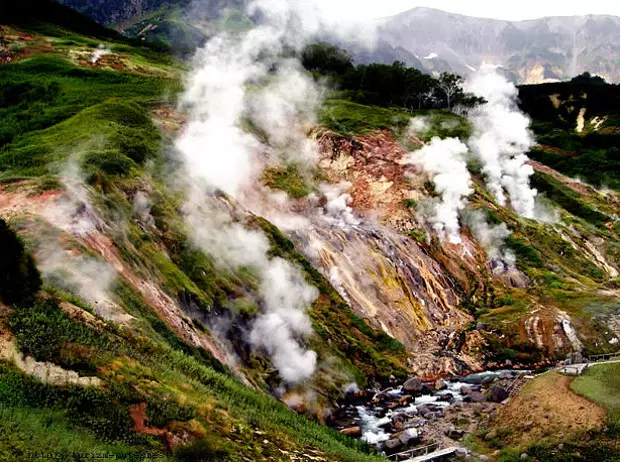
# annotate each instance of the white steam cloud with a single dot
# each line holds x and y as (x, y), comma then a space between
(337, 210)
(88, 278)
(491, 238)
(250, 105)
(444, 161)
(500, 139)
(100, 52)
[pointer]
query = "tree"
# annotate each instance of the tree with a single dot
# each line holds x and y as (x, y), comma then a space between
(450, 86)
(586, 77)
(325, 58)
(19, 278)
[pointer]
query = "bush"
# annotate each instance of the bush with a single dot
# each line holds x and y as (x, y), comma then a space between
(201, 450)
(19, 277)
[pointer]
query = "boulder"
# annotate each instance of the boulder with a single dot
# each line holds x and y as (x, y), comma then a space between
(506, 375)
(415, 423)
(480, 326)
(425, 409)
(524, 456)
(446, 397)
(455, 433)
(475, 397)
(409, 436)
(465, 390)
(436, 415)
(498, 394)
(392, 445)
(354, 432)
(488, 379)
(440, 385)
(413, 385)
(401, 417)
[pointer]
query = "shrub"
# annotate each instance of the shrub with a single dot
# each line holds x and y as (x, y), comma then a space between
(19, 277)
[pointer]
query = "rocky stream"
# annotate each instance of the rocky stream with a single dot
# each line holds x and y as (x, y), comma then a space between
(417, 413)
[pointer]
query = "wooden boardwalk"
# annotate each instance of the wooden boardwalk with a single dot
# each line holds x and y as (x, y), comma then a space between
(433, 455)
(426, 453)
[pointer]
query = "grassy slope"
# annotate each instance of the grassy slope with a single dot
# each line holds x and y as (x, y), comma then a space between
(100, 118)
(592, 155)
(601, 384)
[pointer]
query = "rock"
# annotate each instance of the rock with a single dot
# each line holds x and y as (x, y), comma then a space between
(508, 363)
(409, 436)
(560, 446)
(528, 426)
(524, 456)
(392, 445)
(440, 385)
(461, 451)
(401, 417)
(434, 415)
(488, 379)
(498, 394)
(415, 423)
(424, 409)
(446, 397)
(475, 397)
(354, 432)
(480, 326)
(465, 390)
(413, 385)
(455, 433)
(506, 375)
(483, 457)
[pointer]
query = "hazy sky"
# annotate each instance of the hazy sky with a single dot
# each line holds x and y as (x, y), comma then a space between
(500, 9)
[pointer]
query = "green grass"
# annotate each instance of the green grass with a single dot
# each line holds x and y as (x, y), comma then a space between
(569, 199)
(601, 384)
(27, 433)
(346, 117)
(442, 124)
(287, 179)
(42, 92)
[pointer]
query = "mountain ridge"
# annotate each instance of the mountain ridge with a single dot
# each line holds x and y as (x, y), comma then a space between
(531, 51)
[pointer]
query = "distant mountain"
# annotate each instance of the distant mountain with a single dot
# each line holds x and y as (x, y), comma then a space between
(182, 24)
(532, 51)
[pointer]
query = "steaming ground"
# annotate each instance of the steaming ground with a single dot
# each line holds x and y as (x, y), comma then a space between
(236, 82)
(500, 139)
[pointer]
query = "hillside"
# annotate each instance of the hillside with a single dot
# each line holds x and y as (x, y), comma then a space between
(205, 259)
(182, 25)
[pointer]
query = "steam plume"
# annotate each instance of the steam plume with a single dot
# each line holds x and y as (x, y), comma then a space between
(444, 161)
(248, 104)
(500, 139)
(87, 277)
(491, 238)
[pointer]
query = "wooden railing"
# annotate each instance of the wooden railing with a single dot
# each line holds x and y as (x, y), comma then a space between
(595, 358)
(411, 453)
